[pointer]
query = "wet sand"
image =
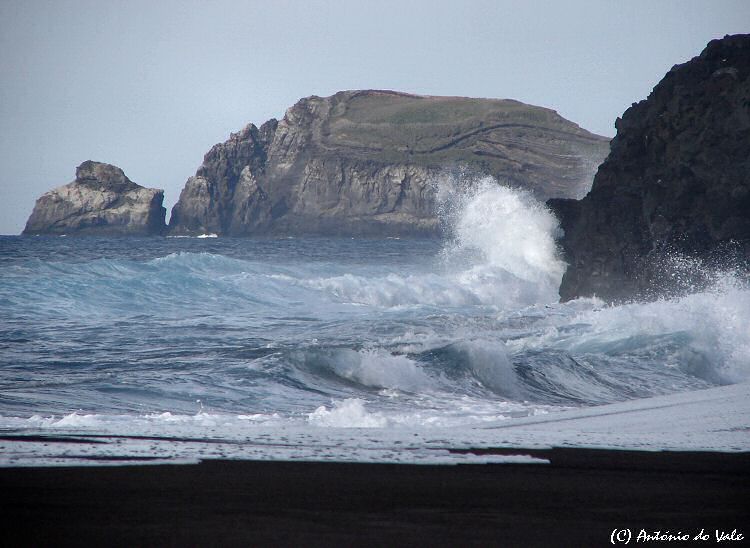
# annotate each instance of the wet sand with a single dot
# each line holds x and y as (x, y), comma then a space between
(577, 500)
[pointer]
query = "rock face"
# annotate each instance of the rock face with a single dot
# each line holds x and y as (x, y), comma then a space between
(101, 201)
(366, 162)
(674, 192)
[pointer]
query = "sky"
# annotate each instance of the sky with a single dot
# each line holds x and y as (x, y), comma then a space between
(151, 86)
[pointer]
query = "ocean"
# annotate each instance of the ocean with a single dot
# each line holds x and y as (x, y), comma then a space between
(396, 350)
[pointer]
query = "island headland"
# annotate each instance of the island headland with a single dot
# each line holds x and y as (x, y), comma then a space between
(366, 163)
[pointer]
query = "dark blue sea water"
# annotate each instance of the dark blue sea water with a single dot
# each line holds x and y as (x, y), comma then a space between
(133, 334)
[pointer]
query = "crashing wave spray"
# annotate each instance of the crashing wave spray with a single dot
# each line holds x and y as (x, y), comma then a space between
(500, 252)
(511, 234)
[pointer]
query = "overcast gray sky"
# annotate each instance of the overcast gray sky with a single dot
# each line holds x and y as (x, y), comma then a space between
(151, 86)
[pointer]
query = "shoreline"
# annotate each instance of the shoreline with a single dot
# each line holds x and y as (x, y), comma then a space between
(577, 499)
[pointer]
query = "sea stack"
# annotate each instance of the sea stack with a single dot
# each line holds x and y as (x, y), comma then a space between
(368, 163)
(101, 201)
(671, 203)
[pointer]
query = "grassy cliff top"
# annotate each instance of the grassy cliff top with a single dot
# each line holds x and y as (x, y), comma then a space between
(430, 130)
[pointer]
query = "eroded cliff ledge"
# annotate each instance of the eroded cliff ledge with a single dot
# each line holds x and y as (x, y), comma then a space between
(366, 162)
(671, 203)
(101, 201)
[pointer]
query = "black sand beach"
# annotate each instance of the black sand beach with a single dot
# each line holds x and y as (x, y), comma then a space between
(577, 500)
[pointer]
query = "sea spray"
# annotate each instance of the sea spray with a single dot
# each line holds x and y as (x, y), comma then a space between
(500, 252)
(505, 235)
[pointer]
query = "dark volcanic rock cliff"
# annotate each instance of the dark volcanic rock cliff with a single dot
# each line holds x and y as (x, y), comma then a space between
(365, 162)
(675, 185)
(101, 201)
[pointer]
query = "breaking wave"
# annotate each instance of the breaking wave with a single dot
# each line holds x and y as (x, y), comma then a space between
(358, 333)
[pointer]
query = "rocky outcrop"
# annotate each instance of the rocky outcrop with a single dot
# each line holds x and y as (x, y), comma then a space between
(101, 201)
(366, 162)
(671, 203)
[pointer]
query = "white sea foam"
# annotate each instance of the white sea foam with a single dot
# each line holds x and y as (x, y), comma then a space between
(349, 413)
